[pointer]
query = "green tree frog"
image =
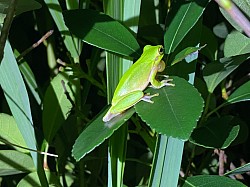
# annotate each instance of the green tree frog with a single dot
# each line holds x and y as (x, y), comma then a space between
(130, 88)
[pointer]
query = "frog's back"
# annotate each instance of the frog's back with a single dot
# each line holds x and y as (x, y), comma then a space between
(133, 80)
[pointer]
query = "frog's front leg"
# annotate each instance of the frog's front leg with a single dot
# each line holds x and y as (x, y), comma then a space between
(158, 84)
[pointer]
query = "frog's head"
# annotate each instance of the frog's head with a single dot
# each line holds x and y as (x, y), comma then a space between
(156, 52)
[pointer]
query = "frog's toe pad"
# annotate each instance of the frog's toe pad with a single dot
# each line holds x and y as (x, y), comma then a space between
(147, 97)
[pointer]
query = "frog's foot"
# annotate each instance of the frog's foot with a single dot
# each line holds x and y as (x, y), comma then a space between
(166, 81)
(147, 97)
(109, 116)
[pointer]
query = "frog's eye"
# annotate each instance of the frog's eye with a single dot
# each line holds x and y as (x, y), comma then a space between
(161, 50)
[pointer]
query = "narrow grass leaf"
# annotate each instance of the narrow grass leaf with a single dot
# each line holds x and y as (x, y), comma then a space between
(17, 97)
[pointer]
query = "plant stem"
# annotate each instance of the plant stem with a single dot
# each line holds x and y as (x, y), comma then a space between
(236, 15)
(6, 26)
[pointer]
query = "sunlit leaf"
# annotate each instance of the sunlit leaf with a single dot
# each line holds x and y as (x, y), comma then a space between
(14, 162)
(172, 114)
(98, 29)
(187, 15)
(236, 44)
(96, 132)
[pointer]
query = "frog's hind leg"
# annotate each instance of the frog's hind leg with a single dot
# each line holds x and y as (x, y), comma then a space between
(147, 97)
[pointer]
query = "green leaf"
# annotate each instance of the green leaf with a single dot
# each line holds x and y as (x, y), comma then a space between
(240, 170)
(185, 18)
(96, 132)
(14, 162)
(216, 133)
(217, 71)
(10, 132)
(33, 180)
(56, 106)
(17, 97)
(98, 29)
(241, 94)
(22, 6)
(172, 114)
(211, 181)
(185, 53)
(236, 44)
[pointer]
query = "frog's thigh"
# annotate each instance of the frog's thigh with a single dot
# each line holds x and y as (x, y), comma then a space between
(127, 101)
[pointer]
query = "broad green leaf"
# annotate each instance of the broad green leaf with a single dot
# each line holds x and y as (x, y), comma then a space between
(17, 97)
(22, 6)
(211, 181)
(241, 94)
(236, 44)
(69, 40)
(33, 180)
(96, 132)
(217, 71)
(98, 29)
(172, 114)
(243, 5)
(240, 170)
(185, 18)
(185, 53)
(56, 105)
(10, 132)
(216, 133)
(14, 162)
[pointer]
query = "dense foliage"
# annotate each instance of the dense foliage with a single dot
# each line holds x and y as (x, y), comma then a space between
(54, 94)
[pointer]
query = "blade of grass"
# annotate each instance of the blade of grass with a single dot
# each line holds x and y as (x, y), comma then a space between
(166, 168)
(17, 97)
(116, 66)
